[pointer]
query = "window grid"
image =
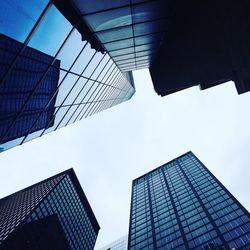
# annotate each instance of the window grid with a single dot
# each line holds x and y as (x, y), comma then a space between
(59, 63)
(191, 209)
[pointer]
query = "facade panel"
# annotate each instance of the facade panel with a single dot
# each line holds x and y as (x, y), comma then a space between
(181, 205)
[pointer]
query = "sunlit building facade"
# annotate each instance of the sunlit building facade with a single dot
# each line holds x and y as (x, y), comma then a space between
(119, 244)
(52, 214)
(53, 71)
(182, 205)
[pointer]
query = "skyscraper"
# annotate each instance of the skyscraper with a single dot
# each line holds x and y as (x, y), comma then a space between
(52, 214)
(119, 244)
(182, 205)
(50, 76)
(92, 47)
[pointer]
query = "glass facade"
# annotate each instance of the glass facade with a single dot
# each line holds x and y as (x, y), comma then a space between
(21, 81)
(181, 205)
(130, 31)
(50, 76)
(119, 244)
(53, 213)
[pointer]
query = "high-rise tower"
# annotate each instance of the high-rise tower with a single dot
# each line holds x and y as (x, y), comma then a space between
(52, 214)
(53, 72)
(182, 205)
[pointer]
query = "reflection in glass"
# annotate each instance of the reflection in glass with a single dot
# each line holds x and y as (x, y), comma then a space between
(20, 84)
(49, 76)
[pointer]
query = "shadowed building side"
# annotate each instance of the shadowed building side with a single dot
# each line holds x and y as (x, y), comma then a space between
(38, 235)
(207, 44)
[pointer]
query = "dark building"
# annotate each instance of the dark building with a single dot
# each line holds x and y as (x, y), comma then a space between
(182, 205)
(207, 43)
(52, 214)
(50, 76)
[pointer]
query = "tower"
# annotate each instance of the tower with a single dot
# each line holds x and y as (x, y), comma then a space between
(52, 214)
(182, 205)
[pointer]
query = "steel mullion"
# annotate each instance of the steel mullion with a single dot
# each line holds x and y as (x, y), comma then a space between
(95, 101)
(151, 213)
(54, 94)
(133, 30)
(115, 8)
(112, 75)
(106, 94)
(79, 77)
(105, 107)
(130, 214)
(141, 60)
(27, 40)
(135, 57)
(87, 78)
(114, 103)
(116, 76)
(101, 97)
(127, 66)
(135, 67)
(103, 86)
(80, 113)
(92, 86)
(197, 196)
(135, 46)
(81, 89)
(129, 25)
(147, 34)
(133, 53)
(130, 63)
(221, 185)
(183, 235)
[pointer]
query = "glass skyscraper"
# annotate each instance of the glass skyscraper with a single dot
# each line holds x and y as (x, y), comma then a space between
(53, 70)
(119, 244)
(73, 58)
(52, 214)
(182, 205)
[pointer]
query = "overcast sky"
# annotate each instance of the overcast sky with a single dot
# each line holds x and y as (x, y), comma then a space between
(110, 149)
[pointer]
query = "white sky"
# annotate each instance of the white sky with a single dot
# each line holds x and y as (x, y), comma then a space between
(114, 147)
